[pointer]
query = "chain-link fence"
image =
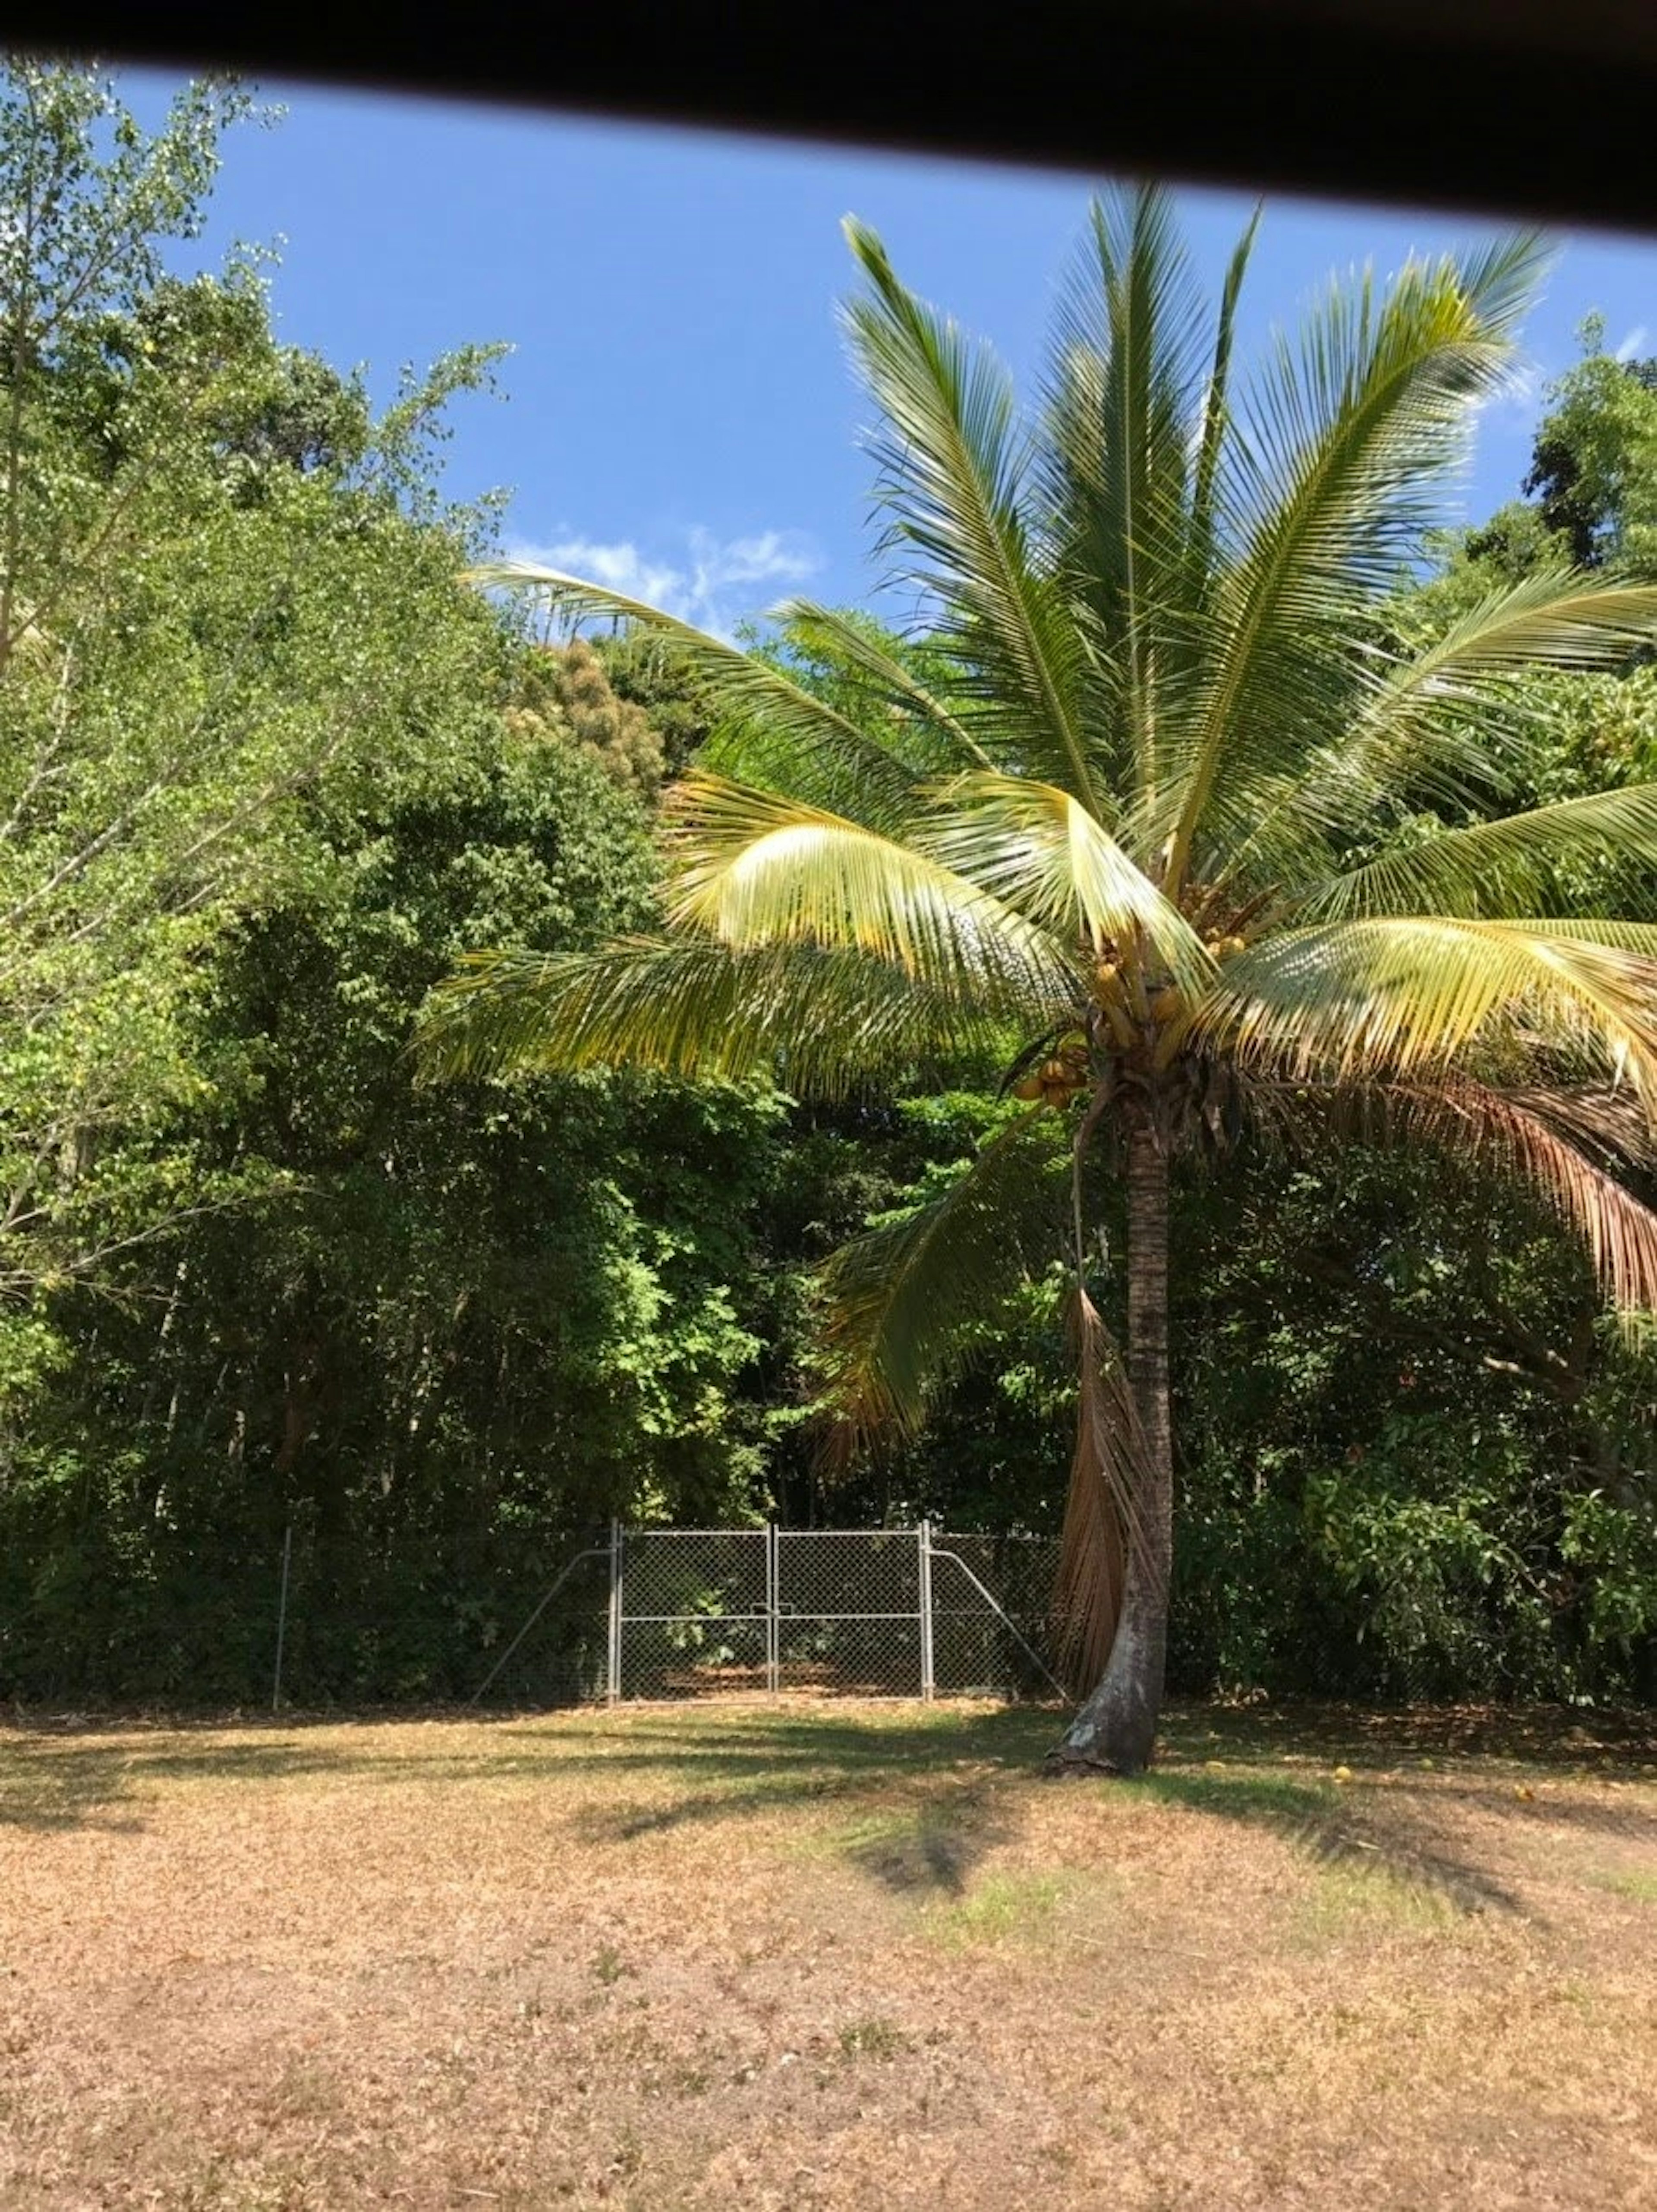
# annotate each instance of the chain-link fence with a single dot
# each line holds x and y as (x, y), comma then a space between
(904, 1613)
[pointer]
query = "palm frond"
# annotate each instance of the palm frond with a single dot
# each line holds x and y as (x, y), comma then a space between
(1130, 347)
(944, 740)
(953, 457)
(901, 1301)
(1557, 618)
(1599, 1119)
(1445, 727)
(1512, 865)
(753, 869)
(819, 1023)
(1217, 415)
(811, 738)
(1402, 995)
(1517, 1137)
(1101, 1518)
(1331, 468)
(1037, 848)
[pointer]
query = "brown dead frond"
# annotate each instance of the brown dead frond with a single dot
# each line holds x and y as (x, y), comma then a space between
(1101, 1510)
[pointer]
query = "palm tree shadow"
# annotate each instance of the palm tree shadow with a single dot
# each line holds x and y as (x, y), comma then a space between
(942, 1823)
(1334, 1829)
(933, 1851)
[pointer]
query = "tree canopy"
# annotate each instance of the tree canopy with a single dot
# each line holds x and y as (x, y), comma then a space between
(1158, 836)
(270, 770)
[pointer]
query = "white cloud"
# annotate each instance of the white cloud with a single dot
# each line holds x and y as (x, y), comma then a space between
(712, 582)
(1633, 344)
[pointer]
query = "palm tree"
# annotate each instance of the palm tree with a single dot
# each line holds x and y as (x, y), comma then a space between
(1161, 846)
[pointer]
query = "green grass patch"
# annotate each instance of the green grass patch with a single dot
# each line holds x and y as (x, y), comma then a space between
(1004, 1909)
(1241, 1793)
(1632, 1882)
(873, 2036)
(1351, 1897)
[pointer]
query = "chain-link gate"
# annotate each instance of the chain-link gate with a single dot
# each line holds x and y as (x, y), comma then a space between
(690, 1610)
(905, 1613)
(850, 1612)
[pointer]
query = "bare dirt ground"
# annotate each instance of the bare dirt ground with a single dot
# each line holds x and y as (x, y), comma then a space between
(817, 1955)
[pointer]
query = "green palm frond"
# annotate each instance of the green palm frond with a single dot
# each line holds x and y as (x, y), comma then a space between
(1445, 727)
(901, 1301)
(1402, 995)
(953, 459)
(1131, 348)
(749, 691)
(943, 741)
(1512, 865)
(1217, 417)
(1043, 853)
(1557, 618)
(1330, 471)
(824, 1024)
(753, 869)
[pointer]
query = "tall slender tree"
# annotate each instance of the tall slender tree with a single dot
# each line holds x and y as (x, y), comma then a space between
(1186, 837)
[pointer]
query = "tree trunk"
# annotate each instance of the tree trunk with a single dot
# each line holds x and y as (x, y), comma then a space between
(1115, 1730)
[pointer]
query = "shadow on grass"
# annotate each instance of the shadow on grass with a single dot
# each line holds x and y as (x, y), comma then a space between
(928, 1791)
(925, 1792)
(926, 1824)
(1336, 1830)
(729, 1763)
(1614, 1743)
(930, 1851)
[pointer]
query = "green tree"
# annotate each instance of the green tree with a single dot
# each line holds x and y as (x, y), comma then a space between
(267, 770)
(199, 529)
(650, 674)
(434, 1334)
(1590, 493)
(1402, 1414)
(1593, 472)
(1125, 845)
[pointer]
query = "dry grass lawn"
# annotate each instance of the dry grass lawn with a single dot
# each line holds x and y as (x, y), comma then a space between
(813, 1955)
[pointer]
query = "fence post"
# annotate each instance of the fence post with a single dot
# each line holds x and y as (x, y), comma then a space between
(772, 1605)
(281, 1616)
(613, 1684)
(927, 1683)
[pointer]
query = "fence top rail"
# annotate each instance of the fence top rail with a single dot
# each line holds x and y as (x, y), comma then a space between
(910, 1528)
(867, 1535)
(677, 1530)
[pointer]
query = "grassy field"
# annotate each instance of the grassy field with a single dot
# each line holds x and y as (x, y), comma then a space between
(802, 1956)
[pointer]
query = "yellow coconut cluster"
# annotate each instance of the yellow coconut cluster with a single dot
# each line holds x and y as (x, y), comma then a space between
(1129, 1009)
(1127, 1004)
(1057, 1081)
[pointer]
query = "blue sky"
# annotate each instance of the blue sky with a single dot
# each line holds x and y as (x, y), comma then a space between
(679, 412)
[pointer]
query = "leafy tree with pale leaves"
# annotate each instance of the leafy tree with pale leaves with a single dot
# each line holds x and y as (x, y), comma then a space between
(1187, 836)
(222, 579)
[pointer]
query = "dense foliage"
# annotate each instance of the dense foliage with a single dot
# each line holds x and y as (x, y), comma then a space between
(268, 767)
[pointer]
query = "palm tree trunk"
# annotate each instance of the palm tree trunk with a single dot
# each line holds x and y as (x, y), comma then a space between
(1115, 1730)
